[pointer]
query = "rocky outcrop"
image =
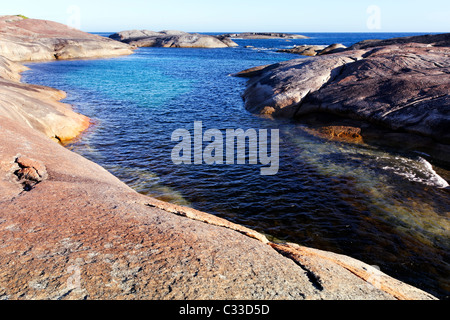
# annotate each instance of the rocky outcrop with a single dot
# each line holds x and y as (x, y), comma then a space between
(436, 40)
(304, 50)
(404, 88)
(37, 107)
(401, 87)
(333, 48)
(172, 39)
(227, 40)
(264, 35)
(71, 230)
(314, 50)
(279, 89)
(31, 39)
(85, 235)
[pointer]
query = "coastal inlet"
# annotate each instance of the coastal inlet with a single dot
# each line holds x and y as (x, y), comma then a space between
(378, 205)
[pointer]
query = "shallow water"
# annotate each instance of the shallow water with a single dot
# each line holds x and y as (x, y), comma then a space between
(378, 205)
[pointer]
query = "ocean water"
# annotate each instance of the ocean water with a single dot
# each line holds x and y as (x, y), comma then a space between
(382, 206)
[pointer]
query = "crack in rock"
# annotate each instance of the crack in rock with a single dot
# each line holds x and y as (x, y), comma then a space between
(29, 171)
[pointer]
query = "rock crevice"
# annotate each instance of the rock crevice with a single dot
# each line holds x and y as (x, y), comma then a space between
(29, 172)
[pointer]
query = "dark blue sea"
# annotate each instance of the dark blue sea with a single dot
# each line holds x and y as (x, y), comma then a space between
(381, 206)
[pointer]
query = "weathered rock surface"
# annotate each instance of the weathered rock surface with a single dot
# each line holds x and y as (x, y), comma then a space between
(79, 233)
(265, 35)
(172, 39)
(314, 50)
(37, 107)
(227, 40)
(279, 89)
(436, 40)
(333, 48)
(71, 230)
(31, 39)
(304, 50)
(402, 87)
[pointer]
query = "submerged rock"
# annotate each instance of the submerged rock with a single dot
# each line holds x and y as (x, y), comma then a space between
(172, 39)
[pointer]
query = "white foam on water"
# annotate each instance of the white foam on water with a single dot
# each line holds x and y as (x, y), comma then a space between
(262, 48)
(418, 171)
(437, 179)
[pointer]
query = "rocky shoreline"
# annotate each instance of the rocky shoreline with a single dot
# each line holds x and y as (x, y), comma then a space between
(24, 39)
(264, 35)
(181, 39)
(400, 86)
(172, 39)
(315, 50)
(71, 230)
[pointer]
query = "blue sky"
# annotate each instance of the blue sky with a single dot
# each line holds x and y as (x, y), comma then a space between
(241, 15)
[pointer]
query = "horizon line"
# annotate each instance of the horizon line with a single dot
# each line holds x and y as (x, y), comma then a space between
(288, 32)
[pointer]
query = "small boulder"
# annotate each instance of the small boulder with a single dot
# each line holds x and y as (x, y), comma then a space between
(305, 50)
(334, 48)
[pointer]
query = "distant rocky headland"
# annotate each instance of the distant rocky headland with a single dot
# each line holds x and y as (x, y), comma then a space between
(172, 39)
(400, 86)
(181, 39)
(31, 39)
(71, 230)
(264, 35)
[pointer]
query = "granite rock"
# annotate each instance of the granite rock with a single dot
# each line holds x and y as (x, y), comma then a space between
(171, 39)
(85, 235)
(37, 107)
(71, 230)
(304, 50)
(32, 39)
(402, 87)
(436, 40)
(265, 35)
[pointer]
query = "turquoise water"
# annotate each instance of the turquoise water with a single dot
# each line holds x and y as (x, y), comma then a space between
(380, 206)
